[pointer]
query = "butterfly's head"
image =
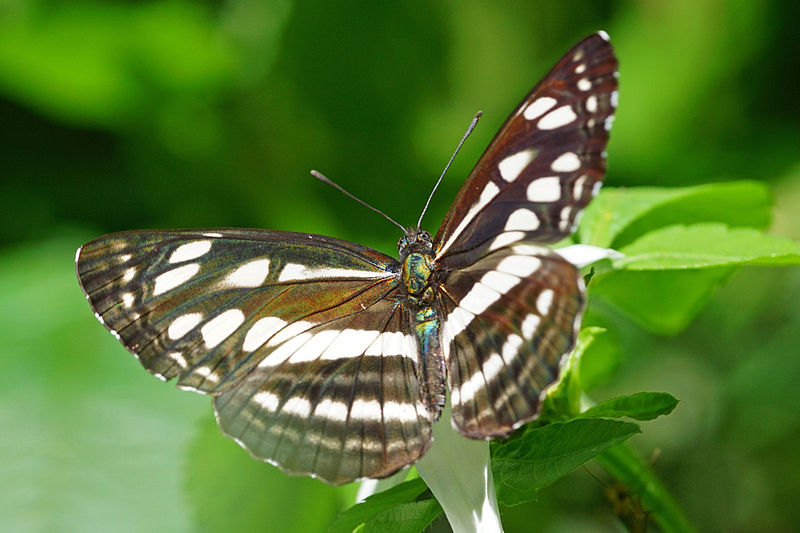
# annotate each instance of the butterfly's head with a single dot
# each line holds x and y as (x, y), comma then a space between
(415, 240)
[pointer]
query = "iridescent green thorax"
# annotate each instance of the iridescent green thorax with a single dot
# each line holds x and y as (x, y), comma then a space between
(416, 253)
(417, 270)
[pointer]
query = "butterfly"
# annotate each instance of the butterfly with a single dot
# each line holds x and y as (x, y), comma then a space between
(330, 359)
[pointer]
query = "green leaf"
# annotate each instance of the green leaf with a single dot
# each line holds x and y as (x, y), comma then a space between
(563, 401)
(640, 406)
(360, 513)
(662, 302)
(229, 491)
(541, 456)
(619, 216)
(410, 517)
(707, 245)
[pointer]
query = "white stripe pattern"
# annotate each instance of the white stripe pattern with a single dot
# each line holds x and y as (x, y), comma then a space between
(300, 272)
(488, 193)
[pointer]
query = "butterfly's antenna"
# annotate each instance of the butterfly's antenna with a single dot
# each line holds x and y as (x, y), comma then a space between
(471, 127)
(325, 179)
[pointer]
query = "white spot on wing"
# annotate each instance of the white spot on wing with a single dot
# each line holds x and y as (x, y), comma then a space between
(519, 265)
(529, 325)
(350, 343)
(387, 343)
(295, 328)
(584, 84)
(129, 274)
(591, 104)
(267, 401)
(221, 327)
(523, 220)
(297, 406)
(512, 166)
(456, 322)
(546, 189)
(580, 69)
(280, 354)
(578, 186)
(128, 299)
(178, 358)
(207, 373)
(492, 367)
(250, 274)
(538, 107)
(506, 238)
(331, 410)
(557, 118)
(402, 412)
(544, 301)
(501, 282)
(261, 331)
(183, 325)
(603, 35)
(566, 162)
(607, 123)
(366, 410)
(614, 98)
(173, 278)
(511, 348)
(189, 251)
(478, 299)
(213, 234)
(311, 349)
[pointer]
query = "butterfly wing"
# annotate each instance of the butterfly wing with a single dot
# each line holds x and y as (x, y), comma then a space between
(510, 317)
(511, 310)
(544, 165)
(340, 401)
(248, 315)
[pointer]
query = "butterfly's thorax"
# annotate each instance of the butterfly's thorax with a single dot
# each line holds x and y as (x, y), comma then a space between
(420, 281)
(418, 268)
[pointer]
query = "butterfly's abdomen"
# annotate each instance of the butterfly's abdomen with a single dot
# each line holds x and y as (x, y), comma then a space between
(427, 325)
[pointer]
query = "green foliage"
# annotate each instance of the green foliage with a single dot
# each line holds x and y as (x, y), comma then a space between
(173, 113)
(640, 406)
(377, 504)
(543, 455)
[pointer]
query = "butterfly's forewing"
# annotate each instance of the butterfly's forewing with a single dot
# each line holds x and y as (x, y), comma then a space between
(542, 168)
(229, 312)
(544, 165)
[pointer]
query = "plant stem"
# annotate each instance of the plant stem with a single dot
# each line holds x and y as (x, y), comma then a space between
(627, 467)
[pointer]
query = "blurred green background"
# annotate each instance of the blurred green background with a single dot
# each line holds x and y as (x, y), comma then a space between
(123, 115)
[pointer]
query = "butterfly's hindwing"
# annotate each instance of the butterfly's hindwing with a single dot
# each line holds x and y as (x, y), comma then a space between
(340, 401)
(509, 318)
(545, 163)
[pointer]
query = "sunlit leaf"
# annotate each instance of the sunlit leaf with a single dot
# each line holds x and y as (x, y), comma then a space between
(541, 456)
(640, 406)
(706, 245)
